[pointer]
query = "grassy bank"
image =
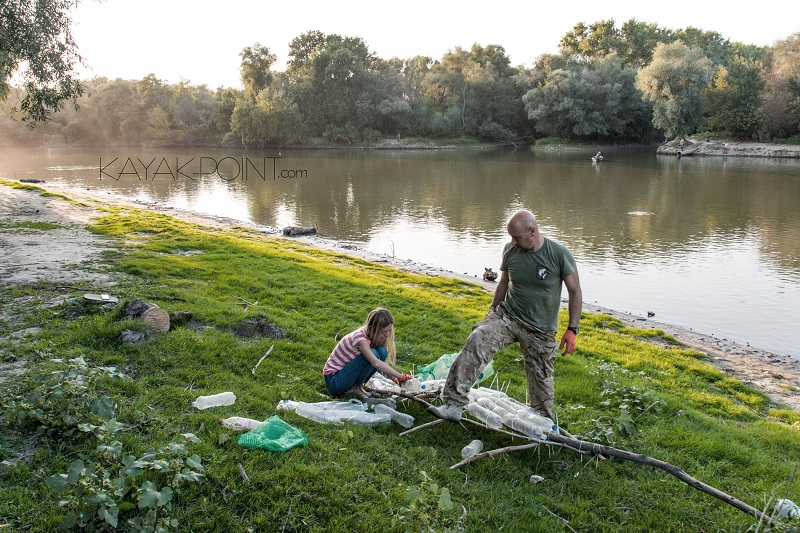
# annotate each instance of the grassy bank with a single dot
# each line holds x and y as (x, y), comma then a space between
(78, 435)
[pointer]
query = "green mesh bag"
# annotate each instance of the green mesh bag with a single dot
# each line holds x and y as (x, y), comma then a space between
(274, 435)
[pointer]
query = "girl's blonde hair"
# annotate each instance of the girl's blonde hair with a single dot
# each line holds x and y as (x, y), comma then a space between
(377, 320)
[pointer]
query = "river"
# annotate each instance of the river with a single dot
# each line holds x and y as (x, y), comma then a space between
(708, 243)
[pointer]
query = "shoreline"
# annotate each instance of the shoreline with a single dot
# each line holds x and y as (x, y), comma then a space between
(35, 257)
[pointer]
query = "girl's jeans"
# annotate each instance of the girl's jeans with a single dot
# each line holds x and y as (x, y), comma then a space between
(356, 372)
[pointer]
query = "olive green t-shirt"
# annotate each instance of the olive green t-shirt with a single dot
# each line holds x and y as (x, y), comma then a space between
(534, 287)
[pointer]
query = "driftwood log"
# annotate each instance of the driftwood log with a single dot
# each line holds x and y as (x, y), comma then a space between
(299, 230)
(599, 450)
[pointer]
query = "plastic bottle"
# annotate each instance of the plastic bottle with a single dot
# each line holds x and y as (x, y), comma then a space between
(216, 400)
(403, 419)
(485, 415)
(788, 508)
(412, 385)
(372, 402)
(367, 419)
(526, 427)
(541, 421)
(240, 423)
(472, 448)
(317, 414)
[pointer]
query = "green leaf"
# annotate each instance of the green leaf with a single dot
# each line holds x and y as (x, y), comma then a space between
(413, 495)
(445, 503)
(68, 522)
(109, 515)
(75, 470)
(150, 496)
(191, 437)
(102, 407)
(58, 482)
(195, 462)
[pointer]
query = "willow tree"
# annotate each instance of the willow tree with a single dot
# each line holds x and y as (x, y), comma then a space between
(674, 82)
(36, 45)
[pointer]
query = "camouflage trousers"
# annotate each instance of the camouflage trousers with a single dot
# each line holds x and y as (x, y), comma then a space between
(495, 332)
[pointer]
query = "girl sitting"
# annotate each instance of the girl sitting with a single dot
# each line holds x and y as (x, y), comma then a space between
(360, 354)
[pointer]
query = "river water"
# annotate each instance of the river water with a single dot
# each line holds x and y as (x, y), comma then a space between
(707, 243)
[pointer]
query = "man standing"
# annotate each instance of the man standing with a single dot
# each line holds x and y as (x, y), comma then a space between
(525, 310)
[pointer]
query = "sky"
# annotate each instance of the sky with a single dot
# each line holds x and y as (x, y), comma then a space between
(200, 41)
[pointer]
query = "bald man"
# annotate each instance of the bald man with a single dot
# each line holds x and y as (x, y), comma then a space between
(525, 310)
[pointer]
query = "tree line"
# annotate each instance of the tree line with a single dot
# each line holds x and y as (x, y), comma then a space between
(608, 84)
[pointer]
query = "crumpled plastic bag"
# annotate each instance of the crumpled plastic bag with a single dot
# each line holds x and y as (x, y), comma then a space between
(439, 369)
(274, 435)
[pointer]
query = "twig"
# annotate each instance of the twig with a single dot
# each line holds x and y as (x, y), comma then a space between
(563, 520)
(242, 472)
(253, 370)
(190, 386)
(247, 305)
(492, 453)
(426, 424)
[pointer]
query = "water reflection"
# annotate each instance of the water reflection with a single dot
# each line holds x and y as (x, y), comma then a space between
(709, 243)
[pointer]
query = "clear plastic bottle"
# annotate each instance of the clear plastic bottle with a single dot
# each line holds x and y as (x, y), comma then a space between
(215, 400)
(240, 423)
(788, 508)
(372, 402)
(411, 386)
(485, 415)
(542, 421)
(403, 419)
(526, 427)
(472, 448)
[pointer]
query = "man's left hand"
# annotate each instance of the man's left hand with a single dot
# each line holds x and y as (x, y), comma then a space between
(568, 342)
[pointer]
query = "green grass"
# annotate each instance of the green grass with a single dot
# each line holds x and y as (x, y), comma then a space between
(355, 478)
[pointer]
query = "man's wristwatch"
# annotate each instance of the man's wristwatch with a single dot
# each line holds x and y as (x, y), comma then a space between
(573, 329)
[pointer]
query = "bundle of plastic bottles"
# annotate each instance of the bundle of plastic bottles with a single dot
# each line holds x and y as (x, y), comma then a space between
(495, 409)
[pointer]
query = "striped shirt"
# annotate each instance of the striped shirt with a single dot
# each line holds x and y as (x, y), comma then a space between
(345, 351)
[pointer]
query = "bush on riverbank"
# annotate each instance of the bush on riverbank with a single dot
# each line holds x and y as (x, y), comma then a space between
(353, 478)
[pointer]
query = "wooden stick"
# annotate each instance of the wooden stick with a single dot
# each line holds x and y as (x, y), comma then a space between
(563, 520)
(253, 370)
(492, 453)
(425, 425)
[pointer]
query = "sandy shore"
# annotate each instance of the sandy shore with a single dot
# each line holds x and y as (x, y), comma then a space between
(69, 254)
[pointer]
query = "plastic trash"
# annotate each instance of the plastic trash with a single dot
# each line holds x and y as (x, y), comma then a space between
(240, 423)
(485, 415)
(526, 427)
(440, 368)
(472, 448)
(274, 435)
(367, 419)
(315, 413)
(788, 508)
(411, 386)
(215, 400)
(372, 402)
(536, 479)
(403, 419)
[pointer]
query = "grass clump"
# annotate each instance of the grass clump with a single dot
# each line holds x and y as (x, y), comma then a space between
(140, 458)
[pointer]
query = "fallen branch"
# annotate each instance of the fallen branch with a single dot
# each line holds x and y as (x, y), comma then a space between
(599, 449)
(253, 370)
(563, 520)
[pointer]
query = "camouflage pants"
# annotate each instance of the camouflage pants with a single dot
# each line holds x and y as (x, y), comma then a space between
(495, 332)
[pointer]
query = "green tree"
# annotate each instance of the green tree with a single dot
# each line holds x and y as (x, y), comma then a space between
(589, 100)
(674, 82)
(474, 92)
(36, 43)
(256, 70)
(781, 109)
(734, 100)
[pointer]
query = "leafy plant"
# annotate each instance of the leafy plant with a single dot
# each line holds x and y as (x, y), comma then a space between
(66, 400)
(632, 402)
(428, 506)
(95, 490)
